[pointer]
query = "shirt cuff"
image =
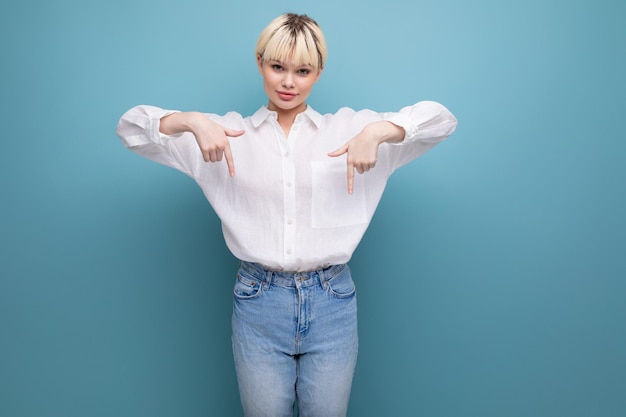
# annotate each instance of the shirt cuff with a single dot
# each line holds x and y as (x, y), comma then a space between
(154, 125)
(404, 122)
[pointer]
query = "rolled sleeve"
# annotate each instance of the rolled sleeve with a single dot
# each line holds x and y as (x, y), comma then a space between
(140, 126)
(426, 121)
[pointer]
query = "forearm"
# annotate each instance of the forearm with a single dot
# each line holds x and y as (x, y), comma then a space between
(384, 131)
(181, 122)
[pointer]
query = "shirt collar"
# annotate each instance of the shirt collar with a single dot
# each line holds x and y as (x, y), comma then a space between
(264, 113)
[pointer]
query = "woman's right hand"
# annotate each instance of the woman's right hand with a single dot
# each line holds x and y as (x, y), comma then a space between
(212, 138)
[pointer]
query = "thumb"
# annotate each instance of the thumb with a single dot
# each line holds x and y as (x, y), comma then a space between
(234, 133)
(339, 151)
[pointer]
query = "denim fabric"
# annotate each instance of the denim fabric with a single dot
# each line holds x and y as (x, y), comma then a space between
(294, 339)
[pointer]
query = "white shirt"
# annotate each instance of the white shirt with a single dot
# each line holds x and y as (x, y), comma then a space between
(287, 207)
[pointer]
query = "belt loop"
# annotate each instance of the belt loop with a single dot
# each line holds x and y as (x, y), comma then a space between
(321, 273)
(267, 280)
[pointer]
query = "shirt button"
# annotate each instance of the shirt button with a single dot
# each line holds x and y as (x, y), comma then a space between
(289, 184)
(289, 221)
(288, 251)
(286, 155)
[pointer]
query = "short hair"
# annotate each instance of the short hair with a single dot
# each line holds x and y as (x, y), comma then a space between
(293, 37)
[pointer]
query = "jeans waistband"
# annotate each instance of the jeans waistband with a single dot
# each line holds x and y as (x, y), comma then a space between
(289, 279)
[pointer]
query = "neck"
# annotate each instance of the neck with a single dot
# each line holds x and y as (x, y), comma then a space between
(286, 117)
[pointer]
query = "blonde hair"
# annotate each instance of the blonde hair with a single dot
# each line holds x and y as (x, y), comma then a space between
(293, 37)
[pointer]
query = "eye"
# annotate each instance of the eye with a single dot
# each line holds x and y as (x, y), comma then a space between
(304, 71)
(277, 67)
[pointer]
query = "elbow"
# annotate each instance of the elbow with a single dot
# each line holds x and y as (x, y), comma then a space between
(134, 122)
(453, 122)
(447, 120)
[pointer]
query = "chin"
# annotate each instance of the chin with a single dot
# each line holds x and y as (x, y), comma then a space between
(287, 106)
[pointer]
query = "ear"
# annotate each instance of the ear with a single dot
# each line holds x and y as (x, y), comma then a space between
(259, 62)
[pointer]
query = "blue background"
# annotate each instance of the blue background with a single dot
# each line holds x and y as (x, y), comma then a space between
(491, 282)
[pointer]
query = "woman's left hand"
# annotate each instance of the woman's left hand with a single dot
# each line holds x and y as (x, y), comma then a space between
(362, 150)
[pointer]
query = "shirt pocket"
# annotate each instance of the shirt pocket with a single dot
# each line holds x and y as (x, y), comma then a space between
(331, 205)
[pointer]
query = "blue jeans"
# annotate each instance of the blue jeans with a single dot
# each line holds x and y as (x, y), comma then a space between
(294, 339)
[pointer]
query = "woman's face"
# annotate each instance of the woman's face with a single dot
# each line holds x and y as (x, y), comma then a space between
(287, 86)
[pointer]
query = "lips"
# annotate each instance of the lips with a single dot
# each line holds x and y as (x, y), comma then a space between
(287, 96)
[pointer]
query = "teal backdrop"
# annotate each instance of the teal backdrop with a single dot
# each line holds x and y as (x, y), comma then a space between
(491, 281)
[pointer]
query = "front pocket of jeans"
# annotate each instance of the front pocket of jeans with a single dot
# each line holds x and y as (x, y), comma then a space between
(331, 205)
(342, 285)
(246, 288)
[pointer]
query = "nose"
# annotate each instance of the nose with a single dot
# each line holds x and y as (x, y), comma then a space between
(288, 80)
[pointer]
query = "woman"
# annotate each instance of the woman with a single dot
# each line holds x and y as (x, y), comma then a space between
(284, 184)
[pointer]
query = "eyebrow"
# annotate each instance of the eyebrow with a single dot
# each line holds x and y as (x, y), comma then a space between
(276, 61)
